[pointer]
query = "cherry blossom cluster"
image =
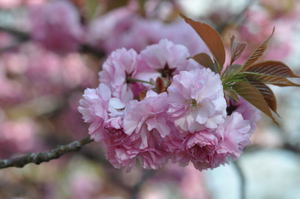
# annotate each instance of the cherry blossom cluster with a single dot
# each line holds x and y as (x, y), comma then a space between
(158, 106)
(63, 32)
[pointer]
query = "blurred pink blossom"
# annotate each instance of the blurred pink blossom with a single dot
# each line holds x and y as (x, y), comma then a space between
(124, 28)
(7, 97)
(258, 26)
(18, 136)
(56, 25)
(6, 4)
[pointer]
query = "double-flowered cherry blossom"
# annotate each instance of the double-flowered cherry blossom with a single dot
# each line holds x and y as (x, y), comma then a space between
(197, 100)
(158, 106)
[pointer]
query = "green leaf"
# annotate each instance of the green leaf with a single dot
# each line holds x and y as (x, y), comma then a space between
(258, 52)
(271, 67)
(253, 96)
(211, 38)
(231, 71)
(92, 8)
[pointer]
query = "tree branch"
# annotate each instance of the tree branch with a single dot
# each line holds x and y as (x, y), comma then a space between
(23, 37)
(38, 158)
(236, 18)
(242, 180)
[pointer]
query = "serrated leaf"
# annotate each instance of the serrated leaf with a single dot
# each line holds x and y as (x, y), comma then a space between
(258, 52)
(266, 92)
(236, 49)
(205, 60)
(254, 97)
(271, 67)
(211, 38)
(270, 79)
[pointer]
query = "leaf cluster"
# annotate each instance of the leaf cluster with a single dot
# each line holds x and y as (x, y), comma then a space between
(248, 80)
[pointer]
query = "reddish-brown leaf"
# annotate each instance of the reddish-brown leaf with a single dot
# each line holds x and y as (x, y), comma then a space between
(276, 68)
(211, 38)
(258, 52)
(266, 92)
(236, 49)
(271, 79)
(254, 97)
(205, 60)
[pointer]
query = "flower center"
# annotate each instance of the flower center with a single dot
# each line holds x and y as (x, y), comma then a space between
(193, 104)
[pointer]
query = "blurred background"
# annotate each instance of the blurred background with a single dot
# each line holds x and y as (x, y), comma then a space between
(51, 50)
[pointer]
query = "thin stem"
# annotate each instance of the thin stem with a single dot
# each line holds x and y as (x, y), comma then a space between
(38, 158)
(133, 80)
(242, 179)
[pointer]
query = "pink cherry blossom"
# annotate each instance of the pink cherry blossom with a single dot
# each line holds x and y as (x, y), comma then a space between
(249, 112)
(199, 149)
(123, 148)
(197, 100)
(124, 151)
(235, 134)
(56, 26)
(147, 115)
(99, 108)
(163, 59)
(118, 66)
(209, 149)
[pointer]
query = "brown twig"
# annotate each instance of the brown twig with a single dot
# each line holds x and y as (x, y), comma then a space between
(23, 37)
(236, 18)
(38, 158)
